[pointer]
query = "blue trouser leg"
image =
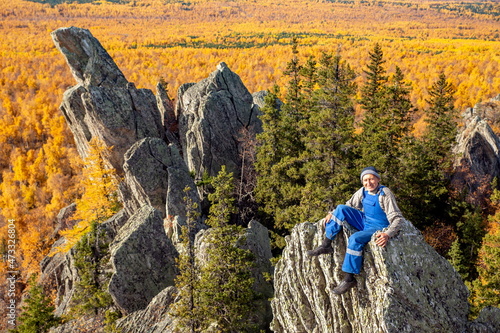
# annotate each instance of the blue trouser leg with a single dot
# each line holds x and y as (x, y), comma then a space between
(343, 214)
(354, 254)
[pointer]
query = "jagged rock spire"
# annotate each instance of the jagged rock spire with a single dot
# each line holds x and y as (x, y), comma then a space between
(104, 104)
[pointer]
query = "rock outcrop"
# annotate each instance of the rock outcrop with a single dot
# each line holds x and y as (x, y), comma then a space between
(489, 111)
(155, 175)
(168, 117)
(59, 271)
(104, 104)
(211, 114)
(478, 145)
(155, 319)
(478, 156)
(143, 261)
(405, 287)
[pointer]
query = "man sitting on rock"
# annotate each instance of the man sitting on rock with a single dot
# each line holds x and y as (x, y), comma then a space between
(371, 209)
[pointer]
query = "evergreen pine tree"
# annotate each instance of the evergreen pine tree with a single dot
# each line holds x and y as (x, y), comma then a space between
(280, 146)
(306, 157)
(376, 77)
(38, 313)
(438, 139)
(425, 195)
(398, 128)
(268, 153)
(486, 288)
(226, 284)
(465, 249)
(185, 309)
(373, 93)
(329, 139)
(91, 254)
(386, 120)
(441, 119)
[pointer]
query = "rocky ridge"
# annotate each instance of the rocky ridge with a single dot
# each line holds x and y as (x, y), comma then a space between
(477, 151)
(149, 153)
(406, 287)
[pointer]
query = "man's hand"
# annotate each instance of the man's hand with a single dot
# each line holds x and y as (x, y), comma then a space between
(327, 219)
(382, 239)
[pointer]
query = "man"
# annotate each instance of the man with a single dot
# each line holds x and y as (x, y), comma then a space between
(371, 209)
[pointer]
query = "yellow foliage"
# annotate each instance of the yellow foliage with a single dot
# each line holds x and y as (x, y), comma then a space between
(99, 199)
(183, 42)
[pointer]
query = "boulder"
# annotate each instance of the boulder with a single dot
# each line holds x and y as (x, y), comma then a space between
(59, 272)
(257, 241)
(259, 101)
(64, 220)
(155, 175)
(142, 259)
(103, 104)
(405, 287)
(154, 318)
(488, 321)
(211, 115)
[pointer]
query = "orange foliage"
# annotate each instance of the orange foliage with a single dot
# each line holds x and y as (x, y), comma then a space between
(440, 236)
(99, 198)
(183, 42)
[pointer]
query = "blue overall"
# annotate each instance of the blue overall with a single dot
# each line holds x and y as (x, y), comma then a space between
(368, 221)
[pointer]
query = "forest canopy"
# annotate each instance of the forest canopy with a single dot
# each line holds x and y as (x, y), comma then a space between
(183, 41)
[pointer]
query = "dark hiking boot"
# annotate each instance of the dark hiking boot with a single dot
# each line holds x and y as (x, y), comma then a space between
(344, 286)
(324, 248)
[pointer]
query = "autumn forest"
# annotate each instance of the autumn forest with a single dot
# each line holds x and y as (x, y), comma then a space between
(181, 42)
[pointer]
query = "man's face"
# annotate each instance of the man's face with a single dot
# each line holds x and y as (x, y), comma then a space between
(370, 182)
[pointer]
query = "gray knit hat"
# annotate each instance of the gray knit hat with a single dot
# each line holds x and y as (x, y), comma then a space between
(369, 171)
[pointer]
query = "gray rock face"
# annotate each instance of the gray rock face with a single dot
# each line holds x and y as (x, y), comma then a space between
(478, 145)
(478, 157)
(63, 219)
(155, 175)
(143, 261)
(89, 62)
(168, 117)
(153, 319)
(59, 271)
(490, 111)
(257, 241)
(103, 104)
(405, 287)
(488, 321)
(211, 114)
